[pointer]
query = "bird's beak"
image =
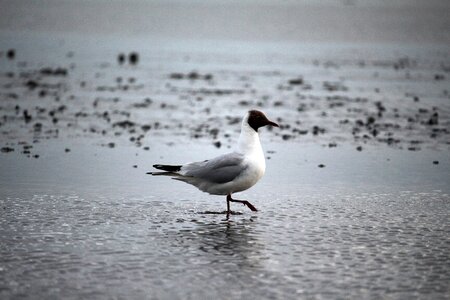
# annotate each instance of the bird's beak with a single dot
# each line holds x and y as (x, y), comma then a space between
(272, 123)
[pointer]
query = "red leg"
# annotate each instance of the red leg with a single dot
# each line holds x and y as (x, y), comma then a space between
(245, 202)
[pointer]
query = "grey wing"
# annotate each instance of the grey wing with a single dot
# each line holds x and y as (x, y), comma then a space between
(221, 169)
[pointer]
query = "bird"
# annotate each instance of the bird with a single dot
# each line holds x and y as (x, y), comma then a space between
(228, 173)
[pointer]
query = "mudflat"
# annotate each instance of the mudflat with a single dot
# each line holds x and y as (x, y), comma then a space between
(355, 200)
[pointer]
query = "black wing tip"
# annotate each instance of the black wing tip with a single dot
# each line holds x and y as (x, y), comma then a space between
(168, 168)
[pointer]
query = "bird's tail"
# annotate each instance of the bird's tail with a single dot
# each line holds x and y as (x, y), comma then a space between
(170, 170)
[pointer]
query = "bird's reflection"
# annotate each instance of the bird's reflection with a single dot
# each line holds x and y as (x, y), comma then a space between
(227, 241)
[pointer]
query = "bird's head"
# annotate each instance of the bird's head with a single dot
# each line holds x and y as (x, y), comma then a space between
(257, 119)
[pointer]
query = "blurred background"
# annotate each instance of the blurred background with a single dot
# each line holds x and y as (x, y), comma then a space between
(401, 21)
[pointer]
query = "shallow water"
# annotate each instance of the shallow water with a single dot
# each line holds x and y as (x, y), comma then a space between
(352, 245)
(147, 237)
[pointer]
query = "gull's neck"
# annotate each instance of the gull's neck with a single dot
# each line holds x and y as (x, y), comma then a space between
(249, 140)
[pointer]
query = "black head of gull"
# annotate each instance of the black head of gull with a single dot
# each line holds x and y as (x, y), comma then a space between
(257, 119)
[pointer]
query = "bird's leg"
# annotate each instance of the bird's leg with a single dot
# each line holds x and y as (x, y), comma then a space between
(245, 202)
(228, 205)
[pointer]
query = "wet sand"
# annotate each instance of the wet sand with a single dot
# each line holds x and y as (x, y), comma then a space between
(103, 229)
(322, 94)
(355, 200)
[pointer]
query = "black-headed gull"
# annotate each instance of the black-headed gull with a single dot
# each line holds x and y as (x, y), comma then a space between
(229, 173)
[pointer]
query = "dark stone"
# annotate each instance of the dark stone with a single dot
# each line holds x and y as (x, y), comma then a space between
(316, 130)
(439, 77)
(296, 81)
(26, 116)
(133, 58)
(31, 84)
(374, 132)
(11, 54)
(176, 76)
(7, 149)
(124, 124)
(121, 58)
(434, 119)
(214, 132)
(359, 123)
(37, 127)
(370, 120)
(54, 72)
(193, 75)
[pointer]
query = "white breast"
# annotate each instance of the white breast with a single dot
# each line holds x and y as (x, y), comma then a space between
(253, 173)
(250, 146)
